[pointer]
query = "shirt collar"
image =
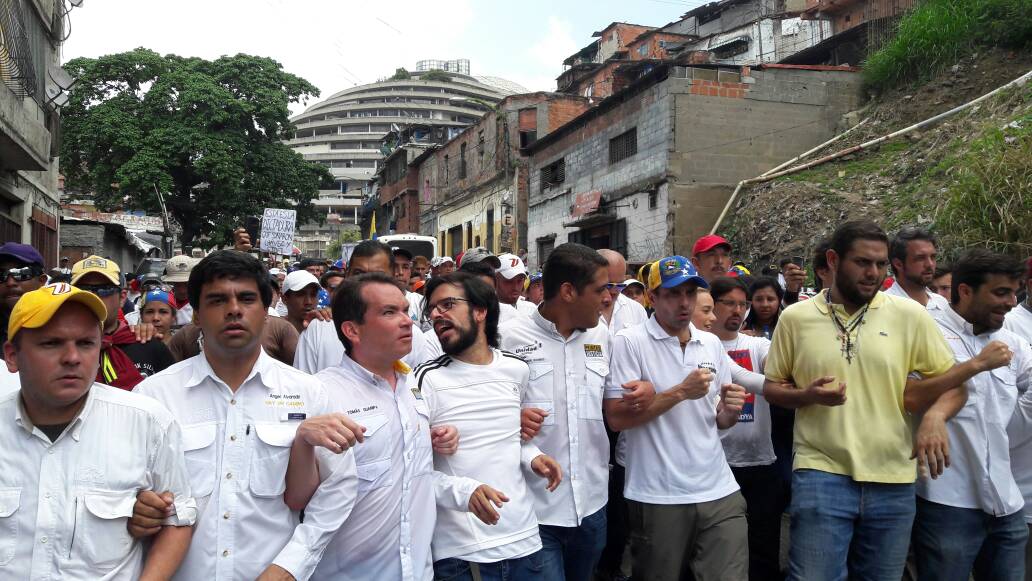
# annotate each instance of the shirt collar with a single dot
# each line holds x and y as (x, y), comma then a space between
(351, 366)
(659, 333)
(957, 323)
(546, 325)
(202, 370)
(74, 428)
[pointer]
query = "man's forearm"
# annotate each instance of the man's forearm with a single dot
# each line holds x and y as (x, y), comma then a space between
(726, 420)
(166, 553)
(920, 394)
(302, 475)
(949, 403)
(622, 417)
(786, 397)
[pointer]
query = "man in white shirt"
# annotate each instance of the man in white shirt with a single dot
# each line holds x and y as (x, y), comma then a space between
(240, 410)
(970, 518)
(685, 506)
(385, 531)
(1019, 319)
(479, 389)
(401, 265)
(568, 354)
(747, 444)
(619, 311)
(510, 280)
(77, 452)
(318, 346)
(913, 252)
(177, 272)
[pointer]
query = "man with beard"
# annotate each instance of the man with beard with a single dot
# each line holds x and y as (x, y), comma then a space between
(479, 389)
(21, 267)
(971, 517)
(686, 511)
(510, 279)
(853, 486)
(913, 252)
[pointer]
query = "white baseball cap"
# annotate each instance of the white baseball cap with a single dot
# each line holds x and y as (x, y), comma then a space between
(511, 266)
(439, 260)
(298, 280)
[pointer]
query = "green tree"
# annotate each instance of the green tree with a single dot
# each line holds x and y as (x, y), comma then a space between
(400, 75)
(205, 133)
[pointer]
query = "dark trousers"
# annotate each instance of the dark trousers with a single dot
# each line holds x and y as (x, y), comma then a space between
(764, 498)
(616, 525)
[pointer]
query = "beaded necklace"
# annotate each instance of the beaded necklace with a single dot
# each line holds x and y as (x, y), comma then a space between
(845, 332)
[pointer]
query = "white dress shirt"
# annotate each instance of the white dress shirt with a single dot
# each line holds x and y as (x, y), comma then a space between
(676, 458)
(237, 447)
(567, 376)
(483, 402)
(936, 302)
(388, 532)
(64, 505)
(318, 347)
(1019, 321)
(627, 313)
(979, 476)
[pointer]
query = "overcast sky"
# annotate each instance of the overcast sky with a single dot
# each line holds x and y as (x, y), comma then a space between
(336, 44)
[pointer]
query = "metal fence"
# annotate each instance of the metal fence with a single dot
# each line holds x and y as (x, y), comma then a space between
(23, 44)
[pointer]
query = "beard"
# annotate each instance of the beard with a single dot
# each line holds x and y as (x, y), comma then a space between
(850, 290)
(921, 278)
(466, 338)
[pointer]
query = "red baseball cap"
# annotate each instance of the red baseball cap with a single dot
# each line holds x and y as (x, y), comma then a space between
(709, 242)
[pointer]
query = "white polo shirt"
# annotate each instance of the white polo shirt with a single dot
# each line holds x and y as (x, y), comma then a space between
(64, 505)
(1019, 321)
(237, 447)
(980, 475)
(388, 533)
(748, 442)
(318, 347)
(936, 302)
(676, 458)
(626, 314)
(483, 402)
(567, 376)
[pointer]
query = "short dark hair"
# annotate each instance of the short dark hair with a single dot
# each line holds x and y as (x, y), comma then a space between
(230, 264)
(325, 278)
(844, 236)
(898, 245)
(478, 293)
(942, 270)
(976, 264)
(570, 263)
(348, 304)
(725, 284)
(370, 248)
(312, 262)
(479, 268)
(820, 253)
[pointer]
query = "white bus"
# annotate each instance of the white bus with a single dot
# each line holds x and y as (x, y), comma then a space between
(414, 243)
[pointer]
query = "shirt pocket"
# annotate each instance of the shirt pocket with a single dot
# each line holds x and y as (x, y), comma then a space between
(373, 455)
(1004, 396)
(589, 395)
(10, 502)
(542, 381)
(100, 537)
(269, 458)
(200, 453)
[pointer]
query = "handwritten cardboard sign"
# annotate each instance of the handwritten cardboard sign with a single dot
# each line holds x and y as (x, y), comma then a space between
(278, 231)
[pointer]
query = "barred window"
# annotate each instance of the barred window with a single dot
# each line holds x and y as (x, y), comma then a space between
(553, 174)
(623, 146)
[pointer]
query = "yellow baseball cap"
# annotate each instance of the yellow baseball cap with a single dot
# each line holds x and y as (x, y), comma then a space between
(35, 309)
(108, 268)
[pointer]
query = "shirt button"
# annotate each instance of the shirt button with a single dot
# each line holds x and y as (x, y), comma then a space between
(232, 438)
(46, 495)
(229, 475)
(43, 540)
(50, 451)
(232, 402)
(226, 516)
(225, 553)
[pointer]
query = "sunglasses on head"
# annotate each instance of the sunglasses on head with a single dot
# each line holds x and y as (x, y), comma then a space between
(21, 274)
(101, 290)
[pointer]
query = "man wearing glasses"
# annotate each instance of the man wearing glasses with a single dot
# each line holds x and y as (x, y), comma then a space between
(618, 311)
(124, 360)
(21, 271)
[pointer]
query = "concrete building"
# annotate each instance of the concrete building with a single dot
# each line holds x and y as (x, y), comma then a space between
(647, 170)
(103, 236)
(858, 28)
(345, 131)
(31, 91)
(472, 190)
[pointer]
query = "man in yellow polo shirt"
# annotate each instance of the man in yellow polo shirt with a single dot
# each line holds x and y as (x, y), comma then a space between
(848, 353)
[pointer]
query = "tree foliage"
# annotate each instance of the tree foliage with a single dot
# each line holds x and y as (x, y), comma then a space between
(400, 75)
(205, 133)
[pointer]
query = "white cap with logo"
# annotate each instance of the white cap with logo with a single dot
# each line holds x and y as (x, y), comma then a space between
(511, 266)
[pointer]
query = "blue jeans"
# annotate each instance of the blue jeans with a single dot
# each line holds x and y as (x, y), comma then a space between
(571, 553)
(840, 527)
(951, 542)
(529, 568)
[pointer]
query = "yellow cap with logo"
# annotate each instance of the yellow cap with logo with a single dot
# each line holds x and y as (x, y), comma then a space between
(108, 268)
(35, 309)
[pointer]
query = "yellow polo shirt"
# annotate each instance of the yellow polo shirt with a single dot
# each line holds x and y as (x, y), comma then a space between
(869, 437)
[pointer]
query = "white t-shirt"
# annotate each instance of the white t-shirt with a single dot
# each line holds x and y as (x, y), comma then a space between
(677, 457)
(483, 402)
(748, 443)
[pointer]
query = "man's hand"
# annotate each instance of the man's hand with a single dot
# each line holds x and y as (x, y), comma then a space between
(145, 332)
(242, 240)
(531, 420)
(480, 503)
(932, 446)
(546, 467)
(323, 314)
(275, 573)
(795, 277)
(335, 432)
(816, 393)
(640, 394)
(995, 354)
(696, 385)
(732, 398)
(445, 439)
(148, 512)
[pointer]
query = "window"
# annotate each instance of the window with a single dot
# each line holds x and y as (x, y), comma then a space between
(553, 174)
(528, 126)
(653, 199)
(462, 161)
(643, 50)
(490, 229)
(623, 146)
(447, 171)
(480, 149)
(545, 247)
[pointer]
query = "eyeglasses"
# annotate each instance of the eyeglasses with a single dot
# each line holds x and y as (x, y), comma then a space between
(444, 305)
(20, 274)
(733, 304)
(615, 286)
(101, 290)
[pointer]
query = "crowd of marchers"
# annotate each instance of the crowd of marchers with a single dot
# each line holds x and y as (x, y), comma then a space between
(403, 417)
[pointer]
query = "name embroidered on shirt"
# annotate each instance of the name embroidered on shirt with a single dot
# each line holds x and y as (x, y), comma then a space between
(593, 351)
(528, 348)
(281, 400)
